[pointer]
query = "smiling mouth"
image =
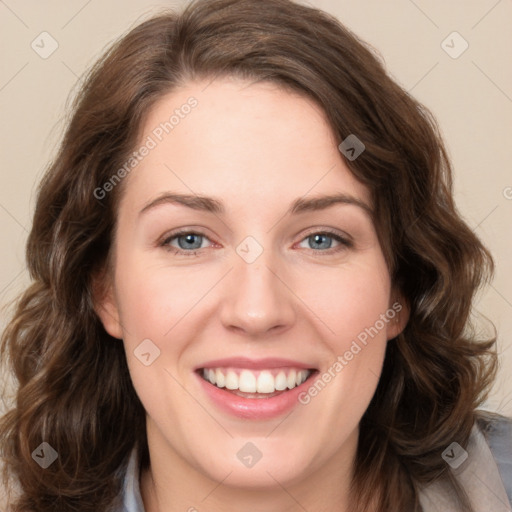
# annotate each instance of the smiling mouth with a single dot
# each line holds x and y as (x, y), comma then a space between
(256, 383)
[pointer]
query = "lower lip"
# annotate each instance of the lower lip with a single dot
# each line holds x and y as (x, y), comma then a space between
(253, 408)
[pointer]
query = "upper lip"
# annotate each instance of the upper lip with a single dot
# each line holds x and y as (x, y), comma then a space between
(254, 364)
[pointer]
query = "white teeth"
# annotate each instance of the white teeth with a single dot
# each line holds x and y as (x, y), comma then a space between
(263, 381)
(292, 376)
(231, 380)
(281, 382)
(247, 382)
(220, 379)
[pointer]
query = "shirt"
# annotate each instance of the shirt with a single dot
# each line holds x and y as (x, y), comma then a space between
(484, 469)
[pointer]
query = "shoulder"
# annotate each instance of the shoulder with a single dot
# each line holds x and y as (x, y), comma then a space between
(497, 431)
(483, 468)
(494, 426)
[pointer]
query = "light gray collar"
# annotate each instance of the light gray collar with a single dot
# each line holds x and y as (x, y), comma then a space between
(479, 476)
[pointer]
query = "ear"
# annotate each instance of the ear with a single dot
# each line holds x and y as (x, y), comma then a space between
(105, 304)
(398, 313)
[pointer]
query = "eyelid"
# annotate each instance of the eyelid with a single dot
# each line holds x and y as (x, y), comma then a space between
(329, 231)
(166, 239)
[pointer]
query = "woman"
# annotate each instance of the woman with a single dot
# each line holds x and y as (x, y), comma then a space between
(251, 286)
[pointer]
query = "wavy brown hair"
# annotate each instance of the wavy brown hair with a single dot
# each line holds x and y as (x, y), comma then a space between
(73, 386)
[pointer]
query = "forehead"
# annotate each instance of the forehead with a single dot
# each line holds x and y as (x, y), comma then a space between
(237, 139)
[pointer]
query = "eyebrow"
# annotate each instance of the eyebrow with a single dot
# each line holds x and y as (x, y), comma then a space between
(215, 206)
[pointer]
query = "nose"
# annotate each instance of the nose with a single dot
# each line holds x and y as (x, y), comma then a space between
(257, 299)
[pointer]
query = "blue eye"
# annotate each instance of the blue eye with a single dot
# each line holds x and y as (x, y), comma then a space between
(188, 241)
(321, 241)
(324, 241)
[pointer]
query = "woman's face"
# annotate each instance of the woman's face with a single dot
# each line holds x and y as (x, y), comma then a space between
(245, 253)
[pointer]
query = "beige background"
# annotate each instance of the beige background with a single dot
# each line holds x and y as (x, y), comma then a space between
(471, 96)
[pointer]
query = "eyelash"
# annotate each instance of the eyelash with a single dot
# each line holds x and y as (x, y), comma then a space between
(345, 243)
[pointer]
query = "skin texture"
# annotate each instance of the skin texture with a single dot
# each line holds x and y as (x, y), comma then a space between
(256, 148)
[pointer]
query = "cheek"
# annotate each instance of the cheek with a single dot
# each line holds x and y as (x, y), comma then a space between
(157, 304)
(348, 300)
(153, 300)
(356, 348)
(353, 306)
